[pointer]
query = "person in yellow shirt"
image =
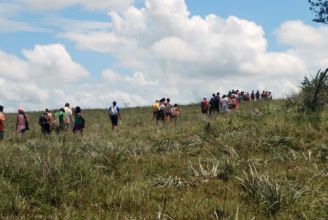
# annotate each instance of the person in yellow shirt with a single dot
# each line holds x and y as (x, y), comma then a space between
(2, 123)
(155, 109)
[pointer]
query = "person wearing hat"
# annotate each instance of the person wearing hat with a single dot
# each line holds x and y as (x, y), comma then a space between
(2, 123)
(22, 121)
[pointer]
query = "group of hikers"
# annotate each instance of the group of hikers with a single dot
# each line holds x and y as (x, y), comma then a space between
(164, 111)
(66, 118)
(229, 102)
(62, 120)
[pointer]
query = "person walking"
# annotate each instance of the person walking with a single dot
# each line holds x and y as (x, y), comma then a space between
(69, 116)
(257, 95)
(155, 108)
(60, 118)
(168, 109)
(44, 123)
(2, 123)
(175, 113)
(253, 95)
(204, 106)
(218, 102)
(225, 103)
(160, 114)
(212, 105)
(22, 124)
(79, 121)
(114, 115)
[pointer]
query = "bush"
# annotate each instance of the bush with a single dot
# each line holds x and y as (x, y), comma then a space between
(262, 189)
(314, 92)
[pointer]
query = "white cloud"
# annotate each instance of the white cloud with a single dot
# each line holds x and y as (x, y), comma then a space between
(53, 62)
(138, 78)
(99, 41)
(112, 75)
(188, 53)
(12, 8)
(73, 24)
(7, 25)
(308, 43)
(168, 52)
(91, 5)
(30, 80)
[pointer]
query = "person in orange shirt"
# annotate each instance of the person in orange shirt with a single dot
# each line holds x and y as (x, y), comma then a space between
(2, 124)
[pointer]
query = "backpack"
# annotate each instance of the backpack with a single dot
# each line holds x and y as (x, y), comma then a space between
(168, 108)
(42, 120)
(113, 111)
(155, 107)
(212, 101)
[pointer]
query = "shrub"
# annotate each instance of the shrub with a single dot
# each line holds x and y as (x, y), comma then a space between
(262, 189)
(314, 91)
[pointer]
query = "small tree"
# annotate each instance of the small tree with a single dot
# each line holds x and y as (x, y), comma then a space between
(320, 7)
(315, 91)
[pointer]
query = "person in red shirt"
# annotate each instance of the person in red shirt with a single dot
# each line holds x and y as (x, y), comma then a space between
(2, 124)
(204, 106)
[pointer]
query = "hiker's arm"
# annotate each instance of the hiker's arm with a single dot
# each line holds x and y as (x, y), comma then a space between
(71, 118)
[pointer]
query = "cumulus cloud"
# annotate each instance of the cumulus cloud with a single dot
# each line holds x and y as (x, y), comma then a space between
(44, 63)
(308, 43)
(166, 52)
(194, 55)
(53, 62)
(47, 76)
(29, 80)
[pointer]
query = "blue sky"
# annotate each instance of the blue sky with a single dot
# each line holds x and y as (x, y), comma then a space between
(137, 59)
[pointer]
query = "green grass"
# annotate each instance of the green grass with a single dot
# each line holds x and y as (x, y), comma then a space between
(264, 161)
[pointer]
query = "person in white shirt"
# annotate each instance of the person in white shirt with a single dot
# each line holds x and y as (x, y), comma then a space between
(69, 116)
(225, 103)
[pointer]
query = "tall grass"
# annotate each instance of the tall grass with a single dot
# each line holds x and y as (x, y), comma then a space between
(197, 168)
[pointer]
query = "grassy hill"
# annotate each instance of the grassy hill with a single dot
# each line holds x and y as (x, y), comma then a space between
(264, 161)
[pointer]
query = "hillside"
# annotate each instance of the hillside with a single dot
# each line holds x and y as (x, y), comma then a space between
(263, 161)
